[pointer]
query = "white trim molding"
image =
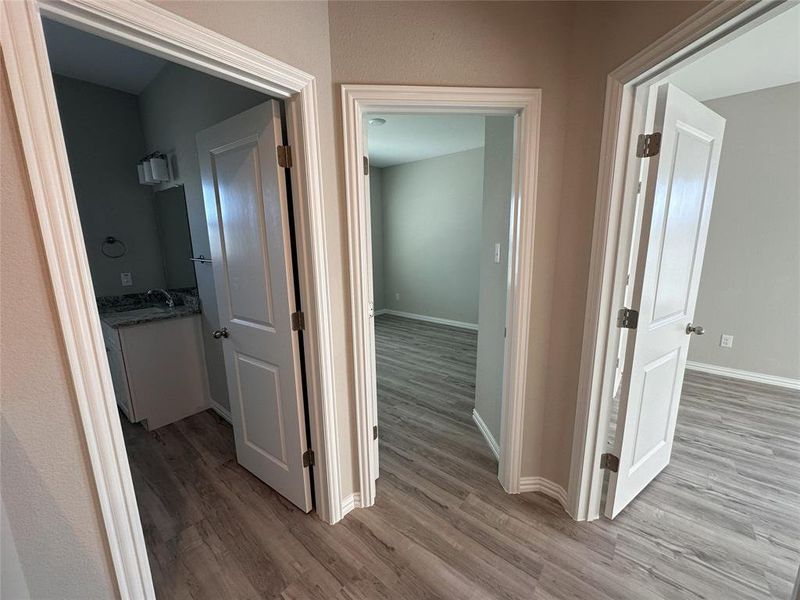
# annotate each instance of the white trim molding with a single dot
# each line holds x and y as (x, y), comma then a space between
(223, 412)
(546, 487)
(487, 435)
(144, 26)
(625, 117)
(351, 502)
(525, 106)
(427, 319)
(784, 382)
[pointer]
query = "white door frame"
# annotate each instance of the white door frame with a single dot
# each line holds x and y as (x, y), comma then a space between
(626, 116)
(525, 104)
(146, 27)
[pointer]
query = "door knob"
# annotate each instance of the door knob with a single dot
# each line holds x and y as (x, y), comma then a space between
(694, 329)
(220, 333)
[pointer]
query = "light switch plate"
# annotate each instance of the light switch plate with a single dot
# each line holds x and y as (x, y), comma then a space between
(726, 340)
(126, 279)
(497, 253)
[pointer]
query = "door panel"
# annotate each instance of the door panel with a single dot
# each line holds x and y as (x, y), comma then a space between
(680, 190)
(248, 225)
(262, 407)
(693, 152)
(245, 249)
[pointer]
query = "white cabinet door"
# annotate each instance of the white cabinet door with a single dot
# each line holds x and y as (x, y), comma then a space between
(248, 225)
(680, 190)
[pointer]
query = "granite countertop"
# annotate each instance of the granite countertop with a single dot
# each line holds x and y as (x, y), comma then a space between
(147, 314)
(136, 309)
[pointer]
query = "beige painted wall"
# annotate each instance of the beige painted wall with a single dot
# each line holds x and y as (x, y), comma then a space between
(48, 491)
(750, 286)
(564, 48)
(605, 35)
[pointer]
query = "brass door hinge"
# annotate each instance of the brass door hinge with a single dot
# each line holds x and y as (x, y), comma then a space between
(366, 166)
(285, 157)
(374, 432)
(609, 462)
(648, 144)
(308, 458)
(298, 321)
(627, 318)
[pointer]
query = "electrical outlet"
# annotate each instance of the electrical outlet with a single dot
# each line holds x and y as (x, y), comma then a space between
(397, 295)
(726, 341)
(126, 279)
(497, 253)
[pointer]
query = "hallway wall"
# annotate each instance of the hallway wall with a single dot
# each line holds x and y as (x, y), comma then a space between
(521, 44)
(496, 43)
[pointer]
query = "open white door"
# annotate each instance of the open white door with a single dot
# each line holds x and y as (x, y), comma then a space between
(248, 225)
(373, 360)
(680, 190)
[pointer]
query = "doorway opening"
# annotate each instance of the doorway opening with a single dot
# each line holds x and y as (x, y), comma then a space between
(697, 394)
(184, 198)
(416, 298)
(440, 189)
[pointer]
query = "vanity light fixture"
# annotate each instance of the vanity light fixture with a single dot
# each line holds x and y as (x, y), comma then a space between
(377, 121)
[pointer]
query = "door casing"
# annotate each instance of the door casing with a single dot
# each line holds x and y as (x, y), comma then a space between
(629, 112)
(149, 28)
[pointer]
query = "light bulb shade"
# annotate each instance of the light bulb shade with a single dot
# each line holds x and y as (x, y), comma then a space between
(159, 169)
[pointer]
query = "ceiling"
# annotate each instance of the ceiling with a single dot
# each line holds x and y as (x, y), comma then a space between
(408, 138)
(80, 55)
(764, 57)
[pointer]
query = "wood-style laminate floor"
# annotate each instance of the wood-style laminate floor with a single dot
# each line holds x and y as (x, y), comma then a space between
(721, 522)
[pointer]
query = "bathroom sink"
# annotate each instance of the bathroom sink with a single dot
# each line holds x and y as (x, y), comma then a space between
(145, 311)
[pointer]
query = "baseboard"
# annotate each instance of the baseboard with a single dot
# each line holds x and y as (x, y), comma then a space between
(351, 502)
(437, 320)
(220, 410)
(380, 311)
(784, 382)
(487, 435)
(544, 486)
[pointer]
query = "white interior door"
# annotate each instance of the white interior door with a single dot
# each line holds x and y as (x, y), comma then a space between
(248, 224)
(375, 458)
(679, 193)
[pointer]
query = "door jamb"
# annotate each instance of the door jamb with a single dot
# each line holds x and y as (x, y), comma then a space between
(525, 104)
(149, 28)
(625, 117)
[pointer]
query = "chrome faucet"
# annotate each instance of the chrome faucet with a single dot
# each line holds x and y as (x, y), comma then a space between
(170, 301)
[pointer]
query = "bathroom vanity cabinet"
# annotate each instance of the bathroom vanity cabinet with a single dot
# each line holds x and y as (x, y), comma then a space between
(157, 368)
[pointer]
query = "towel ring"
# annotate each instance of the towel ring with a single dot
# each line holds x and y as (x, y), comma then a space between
(107, 247)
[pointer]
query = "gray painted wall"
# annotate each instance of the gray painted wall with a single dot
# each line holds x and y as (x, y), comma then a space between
(431, 232)
(376, 217)
(104, 141)
(750, 286)
(497, 181)
(177, 104)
